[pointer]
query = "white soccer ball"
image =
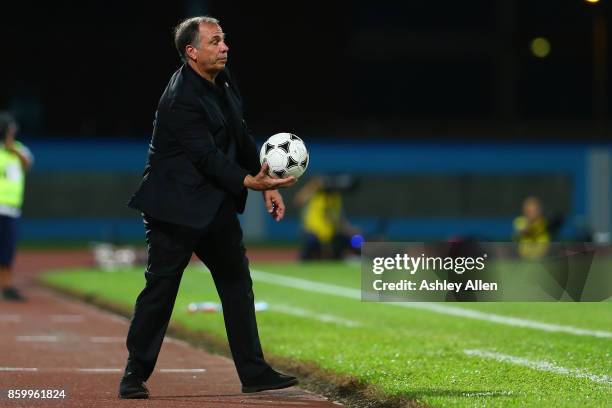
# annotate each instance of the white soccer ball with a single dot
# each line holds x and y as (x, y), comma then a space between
(286, 155)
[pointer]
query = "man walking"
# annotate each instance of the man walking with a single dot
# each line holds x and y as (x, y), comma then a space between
(201, 161)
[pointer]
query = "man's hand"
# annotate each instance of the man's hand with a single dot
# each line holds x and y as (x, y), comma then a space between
(262, 181)
(274, 204)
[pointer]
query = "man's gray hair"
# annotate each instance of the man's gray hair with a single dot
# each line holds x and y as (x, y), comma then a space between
(187, 32)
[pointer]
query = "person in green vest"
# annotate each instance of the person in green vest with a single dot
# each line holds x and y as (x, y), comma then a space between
(15, 160)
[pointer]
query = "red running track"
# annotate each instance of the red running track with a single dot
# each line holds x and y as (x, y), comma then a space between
(55, 343)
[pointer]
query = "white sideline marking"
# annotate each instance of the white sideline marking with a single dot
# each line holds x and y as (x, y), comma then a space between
(351, 293)
(119, 370)
(507, 320)
(18, 369)
(46, 339)
(327, 318)
(102, 370)
(118, 339)
(93, 339)
(106, 339)
(540, 365)
(67, 318)
(10, 318)
(306, 285)
(98, 370)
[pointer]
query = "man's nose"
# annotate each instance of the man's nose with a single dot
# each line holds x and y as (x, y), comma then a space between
(224, 47)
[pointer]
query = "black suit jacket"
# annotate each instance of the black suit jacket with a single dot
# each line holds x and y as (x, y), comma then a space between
(200, 151)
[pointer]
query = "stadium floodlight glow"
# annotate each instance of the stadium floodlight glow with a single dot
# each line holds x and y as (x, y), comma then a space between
(540, 47)
(592, 1)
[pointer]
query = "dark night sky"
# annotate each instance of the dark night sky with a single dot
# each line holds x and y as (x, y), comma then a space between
(328, 68)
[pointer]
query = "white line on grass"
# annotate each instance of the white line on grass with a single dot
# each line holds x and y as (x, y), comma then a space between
(351, 293)
(182, 370)
(322, 317)
(539, 365)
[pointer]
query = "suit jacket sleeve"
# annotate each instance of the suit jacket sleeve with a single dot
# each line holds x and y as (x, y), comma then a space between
(192, 133)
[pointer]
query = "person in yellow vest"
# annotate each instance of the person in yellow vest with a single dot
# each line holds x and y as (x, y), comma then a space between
(326, 232)
(15, 160)
(531, 230)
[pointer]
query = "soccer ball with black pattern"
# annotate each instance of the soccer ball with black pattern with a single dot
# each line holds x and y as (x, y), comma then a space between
(285, 154)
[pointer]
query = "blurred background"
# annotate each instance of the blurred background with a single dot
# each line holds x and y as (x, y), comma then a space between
(431, 120)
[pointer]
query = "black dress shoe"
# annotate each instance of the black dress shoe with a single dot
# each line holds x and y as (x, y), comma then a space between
(269, 380)
(132, 388)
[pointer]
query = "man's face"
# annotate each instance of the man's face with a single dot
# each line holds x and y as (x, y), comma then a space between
(211, 52)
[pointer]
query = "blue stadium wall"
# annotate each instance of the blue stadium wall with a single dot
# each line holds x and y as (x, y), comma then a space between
(96, 178)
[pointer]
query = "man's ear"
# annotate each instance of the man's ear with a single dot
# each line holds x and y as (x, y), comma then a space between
(191, 52)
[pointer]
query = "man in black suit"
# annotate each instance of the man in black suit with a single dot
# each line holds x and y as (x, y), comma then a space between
(201, 161)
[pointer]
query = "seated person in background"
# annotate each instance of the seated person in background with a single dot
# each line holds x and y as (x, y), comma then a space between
(531, 230)
(326, 233)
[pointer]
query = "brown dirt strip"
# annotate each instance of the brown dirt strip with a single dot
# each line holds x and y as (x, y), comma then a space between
(58, 336)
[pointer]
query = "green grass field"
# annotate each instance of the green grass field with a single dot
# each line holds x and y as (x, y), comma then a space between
(442, 354)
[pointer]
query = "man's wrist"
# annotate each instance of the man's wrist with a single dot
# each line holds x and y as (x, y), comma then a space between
(248, 181)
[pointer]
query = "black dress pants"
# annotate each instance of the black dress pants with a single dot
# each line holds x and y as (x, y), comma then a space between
(220, 247)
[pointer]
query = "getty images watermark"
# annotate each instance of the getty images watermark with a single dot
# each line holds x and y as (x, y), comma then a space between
(478, 271)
